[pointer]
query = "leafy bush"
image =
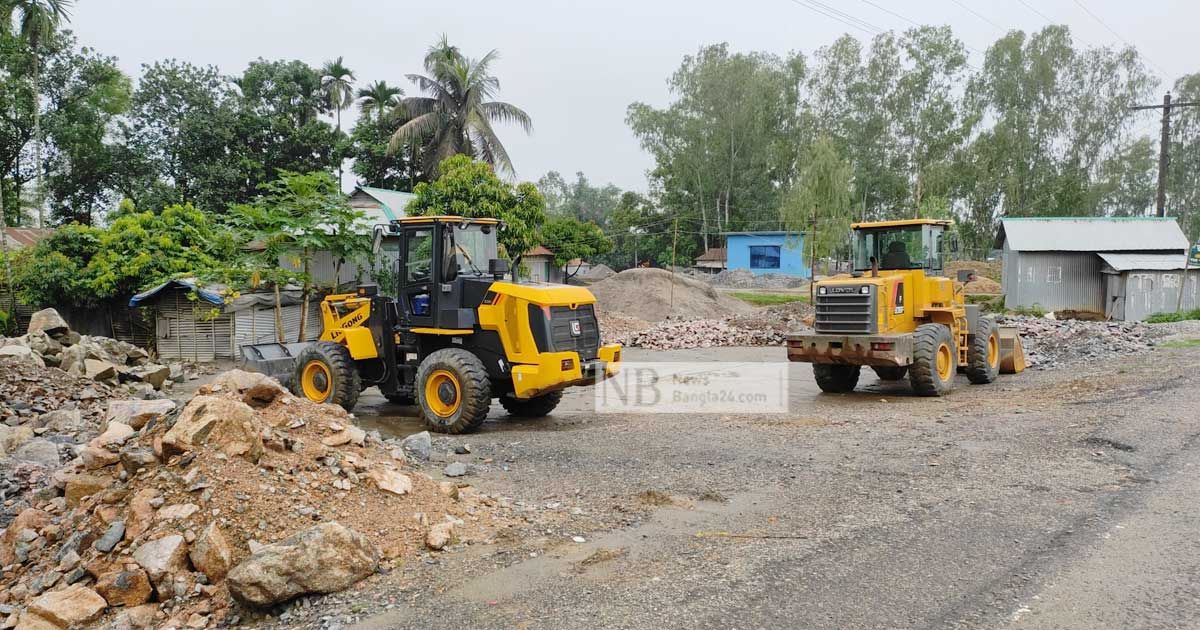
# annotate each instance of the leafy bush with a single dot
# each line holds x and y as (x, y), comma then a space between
(1031, 311)
(1164, 318)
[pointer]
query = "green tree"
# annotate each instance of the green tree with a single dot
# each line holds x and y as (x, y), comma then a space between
(374, 163)
(38, 22)
(296, 216)
(1183, 175)
(87, 266)
(580, 199)
(379, 99)
(457, 116)
(337, 81)
(725, 145)
(642, 234)
(470, 188)
(819, 201)
(571, 239)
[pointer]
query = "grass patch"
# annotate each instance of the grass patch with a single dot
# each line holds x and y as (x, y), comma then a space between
(1164, 318)
(1029, 311)
(1181, 343)
(987, 303)
(769, 299)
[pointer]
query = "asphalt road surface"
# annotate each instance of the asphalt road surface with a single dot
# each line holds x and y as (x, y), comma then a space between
(1064, 499)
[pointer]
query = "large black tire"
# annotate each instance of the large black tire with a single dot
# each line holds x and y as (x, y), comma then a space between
(453, 391)
(983, 357)
(836, 379)
(929, 342)
(536, 407)
(890, 372)
(326, 373)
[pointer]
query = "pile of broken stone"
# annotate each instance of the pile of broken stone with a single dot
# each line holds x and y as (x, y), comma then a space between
(244, 498)
(50, 342)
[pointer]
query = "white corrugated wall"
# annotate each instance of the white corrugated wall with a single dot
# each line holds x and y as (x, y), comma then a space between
(1055, 281)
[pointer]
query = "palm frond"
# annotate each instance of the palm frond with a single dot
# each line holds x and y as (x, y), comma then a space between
(498, 111)
(414, 130)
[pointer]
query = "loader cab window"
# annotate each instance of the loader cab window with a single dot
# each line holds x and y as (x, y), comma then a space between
(418, 259)
(900, 247)
(472, 247)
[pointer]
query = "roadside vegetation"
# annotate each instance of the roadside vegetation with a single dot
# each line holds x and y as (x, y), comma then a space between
(1164, 318)
(769, 299)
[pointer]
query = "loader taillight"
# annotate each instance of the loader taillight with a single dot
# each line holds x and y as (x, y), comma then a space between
(882, 346)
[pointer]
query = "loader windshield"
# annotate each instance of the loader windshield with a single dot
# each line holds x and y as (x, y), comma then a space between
(474, 246)
(900, 247)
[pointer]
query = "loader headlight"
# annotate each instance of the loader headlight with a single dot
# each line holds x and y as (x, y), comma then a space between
(866, 288)
(822, 290)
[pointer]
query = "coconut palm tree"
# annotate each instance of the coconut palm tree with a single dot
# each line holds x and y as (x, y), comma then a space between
(337, 81)
(37, 21)
(457, 115)
(378, 98)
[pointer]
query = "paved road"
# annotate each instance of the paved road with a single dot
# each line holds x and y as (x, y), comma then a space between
(1048, 500)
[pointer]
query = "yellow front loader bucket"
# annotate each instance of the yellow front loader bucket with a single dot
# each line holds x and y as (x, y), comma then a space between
(1012, 355)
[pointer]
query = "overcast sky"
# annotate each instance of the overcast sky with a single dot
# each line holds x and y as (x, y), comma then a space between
(575, 67)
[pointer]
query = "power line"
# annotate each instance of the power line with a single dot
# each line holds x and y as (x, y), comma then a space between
(1118, 36)
(980, 16)
(832, 16)
(918, 24)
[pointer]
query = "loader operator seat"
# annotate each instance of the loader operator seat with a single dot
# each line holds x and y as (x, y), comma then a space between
(896, 256)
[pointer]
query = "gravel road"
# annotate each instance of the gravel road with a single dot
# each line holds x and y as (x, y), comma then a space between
(1054, 499)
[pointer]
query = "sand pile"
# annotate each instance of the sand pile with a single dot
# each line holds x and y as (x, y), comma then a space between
(246, 497)
(597, 273)
(982, 285)
(655, 295)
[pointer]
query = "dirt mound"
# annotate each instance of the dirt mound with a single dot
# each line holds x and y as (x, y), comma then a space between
(597, 273)
(655, 295)
(245, 494)
(983, 269)
(983, 285)
(746, 279)
(763, 327)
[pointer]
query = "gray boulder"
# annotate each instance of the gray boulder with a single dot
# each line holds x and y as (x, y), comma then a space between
(419, 445)
(324, 559)
(48, 321)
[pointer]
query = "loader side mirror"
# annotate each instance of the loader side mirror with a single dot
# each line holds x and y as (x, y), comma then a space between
(498, 267)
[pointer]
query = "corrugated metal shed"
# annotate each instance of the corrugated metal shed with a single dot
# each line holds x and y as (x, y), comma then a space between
(1091, 234)
(388, 205)
(1055, 281)
(1148, 262)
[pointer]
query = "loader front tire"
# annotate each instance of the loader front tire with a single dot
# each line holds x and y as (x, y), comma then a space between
(453, 391)
(836, 379)
(935, 360)
(325, 373)
(536, 407)
(983, 357)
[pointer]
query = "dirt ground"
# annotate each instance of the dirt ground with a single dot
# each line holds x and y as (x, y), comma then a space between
(1052, 499)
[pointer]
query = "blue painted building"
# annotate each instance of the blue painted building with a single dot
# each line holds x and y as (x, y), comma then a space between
(767, 252)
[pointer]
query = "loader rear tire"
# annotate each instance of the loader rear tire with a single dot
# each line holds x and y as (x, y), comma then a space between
(935, 360)
(536, 407)
(453, 391)
(890, 372)
(983, 357)
(836, 379)
(326, 373)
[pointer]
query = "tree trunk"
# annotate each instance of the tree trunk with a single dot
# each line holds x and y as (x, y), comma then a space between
(8, 281)
(37, 142)
(339, 137)
(337, 276)
(304, 300)
(279, 315)
(515, 267)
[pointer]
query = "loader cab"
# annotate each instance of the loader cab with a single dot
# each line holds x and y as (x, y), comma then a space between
(444, 269)
(899, 245)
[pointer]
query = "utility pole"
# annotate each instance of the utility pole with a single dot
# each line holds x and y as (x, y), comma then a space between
(674, 240)
(1164, 158)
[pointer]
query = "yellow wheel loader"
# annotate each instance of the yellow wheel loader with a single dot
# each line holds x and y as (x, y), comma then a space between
(455, 337)
(898, 314)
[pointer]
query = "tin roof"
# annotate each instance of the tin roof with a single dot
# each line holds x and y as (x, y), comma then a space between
(540, 250)
(392, 203)
(1092, 234)
(714, 254)
(867, 225)
(20, 238)
(1143, 262)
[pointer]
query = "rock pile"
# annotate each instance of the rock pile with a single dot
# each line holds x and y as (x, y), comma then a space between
(746, 279)
(1051, 342)
(245, 497)
(764, 327)
(597, 273)
(49, 342)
